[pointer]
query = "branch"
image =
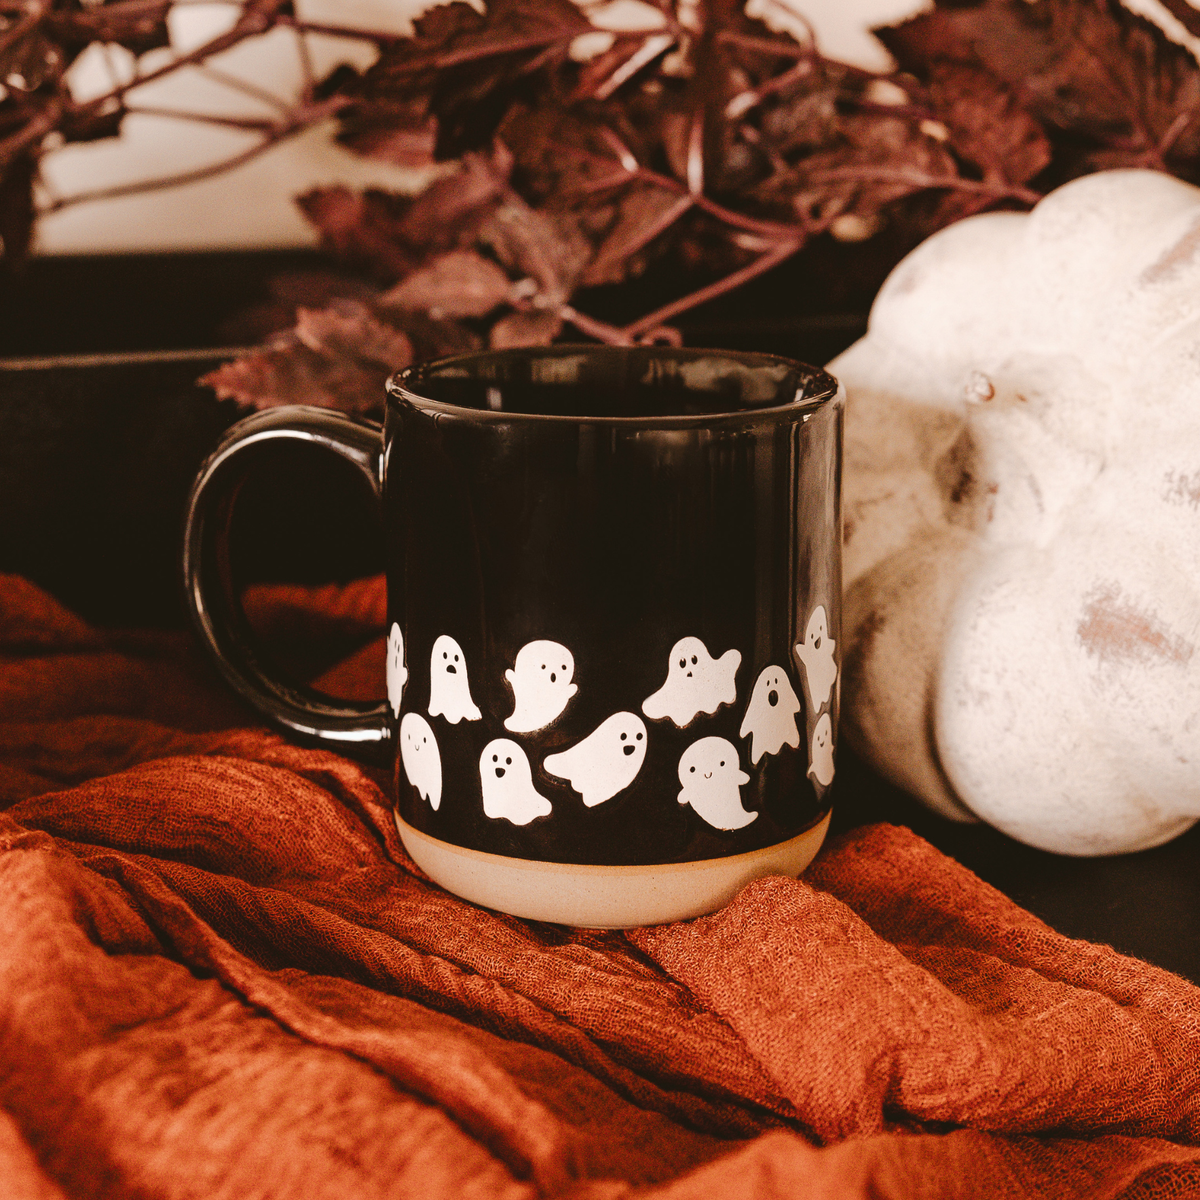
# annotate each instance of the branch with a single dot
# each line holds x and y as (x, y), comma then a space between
(247, 124)
(309, 116)
(763, 263)
(253, 21)
(602, 331)
(920, 179)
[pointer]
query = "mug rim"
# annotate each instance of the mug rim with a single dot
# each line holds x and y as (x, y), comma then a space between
(400, 386)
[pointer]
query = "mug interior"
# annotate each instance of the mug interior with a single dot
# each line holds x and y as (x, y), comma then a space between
(614, 383)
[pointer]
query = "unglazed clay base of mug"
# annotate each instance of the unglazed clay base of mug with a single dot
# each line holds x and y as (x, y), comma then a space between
(597, 897)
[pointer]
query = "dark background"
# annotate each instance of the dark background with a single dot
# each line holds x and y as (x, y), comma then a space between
(96, 455)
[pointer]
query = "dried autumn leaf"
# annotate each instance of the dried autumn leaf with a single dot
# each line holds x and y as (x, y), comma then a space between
(403, 133)
(338, 356)
(349, 329)
(361, 228)
(390, 235)
(645, 211)
(470, 65)
(292, 373)
(881, 160)
(987, 124)
(535, 327)
(548, 247)
(1105, 83)
(461, 283)
(450, 211)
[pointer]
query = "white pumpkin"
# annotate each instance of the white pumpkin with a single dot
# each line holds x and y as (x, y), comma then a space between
(1022, 535)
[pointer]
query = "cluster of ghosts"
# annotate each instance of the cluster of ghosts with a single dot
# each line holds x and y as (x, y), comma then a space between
(608, 760)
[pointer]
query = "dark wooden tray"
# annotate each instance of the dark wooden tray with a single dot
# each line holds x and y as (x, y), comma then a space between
(102, 426)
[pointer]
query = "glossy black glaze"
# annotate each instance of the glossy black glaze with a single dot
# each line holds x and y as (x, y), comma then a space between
(519, 511)
(362, 730)
(612, 502)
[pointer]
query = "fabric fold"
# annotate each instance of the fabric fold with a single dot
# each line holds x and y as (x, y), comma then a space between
(221, 976)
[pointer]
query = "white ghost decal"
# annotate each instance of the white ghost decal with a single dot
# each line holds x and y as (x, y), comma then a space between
(712, 776)
(507, 784)
(606, 761)
(770, 718)
(816, 653)
(696, 683)
(397, 672)
(821, 761)
(449, 689)
(421, 758)
(541, 685)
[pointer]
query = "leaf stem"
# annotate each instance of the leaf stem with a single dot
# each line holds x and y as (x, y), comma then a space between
(308, 117)
(702, 295)
(920, 179)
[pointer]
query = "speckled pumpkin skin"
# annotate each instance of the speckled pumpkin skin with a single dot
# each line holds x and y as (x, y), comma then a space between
(1022, 532)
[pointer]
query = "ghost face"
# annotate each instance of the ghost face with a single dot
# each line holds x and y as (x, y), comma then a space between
(770, 719)
(606, 761)
(696, 683)
(397, 672)
(421, 758)
(541, 685)
(816, 653)
(821, 761)
(507, 784)
(711, 778)
(449, 690)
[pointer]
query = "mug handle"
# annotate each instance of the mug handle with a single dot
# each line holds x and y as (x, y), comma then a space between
(359, 729)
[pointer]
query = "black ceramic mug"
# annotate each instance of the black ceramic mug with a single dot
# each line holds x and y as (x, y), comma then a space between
(614, 592)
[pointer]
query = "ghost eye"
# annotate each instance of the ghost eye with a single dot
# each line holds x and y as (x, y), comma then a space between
(543, 666)
(495, 758)
(639, 737)
(624, 737)
(508, 762)
(445, 655)
(722, 762)
(456, 658)
(693, 658)
(692, 770)
(683, 662)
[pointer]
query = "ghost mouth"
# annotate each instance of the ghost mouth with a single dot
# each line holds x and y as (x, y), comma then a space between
(627, 750)
(689, 674)
(553, 677)
(499, 772)
(707, 774)
(452, 670)
(772, 697)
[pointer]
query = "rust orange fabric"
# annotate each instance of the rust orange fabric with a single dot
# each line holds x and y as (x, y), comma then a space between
(221, 977)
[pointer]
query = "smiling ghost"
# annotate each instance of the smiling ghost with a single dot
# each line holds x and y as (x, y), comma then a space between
(507, 784)
(712, 777)
(449, 689)
(816, 653)
(606, 761)
(770, 719)
(696, 683)
(541, 685)
(396, 671)
(821, 760)
(421, 758)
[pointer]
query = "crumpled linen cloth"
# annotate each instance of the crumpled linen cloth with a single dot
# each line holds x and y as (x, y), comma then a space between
(221, 976)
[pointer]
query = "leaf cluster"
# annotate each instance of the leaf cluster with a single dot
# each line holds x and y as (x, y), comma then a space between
(704, 151)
